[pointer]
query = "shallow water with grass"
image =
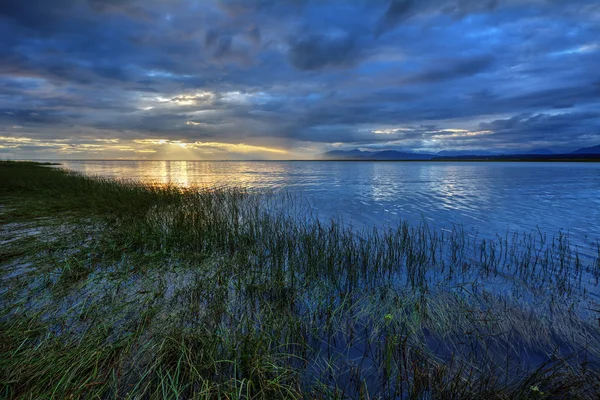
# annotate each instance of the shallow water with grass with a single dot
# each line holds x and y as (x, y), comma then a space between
(491, 198)
(115, 289)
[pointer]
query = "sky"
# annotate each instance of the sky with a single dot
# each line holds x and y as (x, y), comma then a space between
(277, 79)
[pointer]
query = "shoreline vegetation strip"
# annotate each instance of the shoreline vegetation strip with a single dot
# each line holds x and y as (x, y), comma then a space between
(116, 289)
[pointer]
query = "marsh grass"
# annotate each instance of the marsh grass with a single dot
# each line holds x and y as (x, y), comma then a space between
(113, 289)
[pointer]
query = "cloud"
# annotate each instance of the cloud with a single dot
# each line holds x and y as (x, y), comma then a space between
(315, 51)
(452, 69)
(544, 124)
(399, 11)
(37, 15)
(563, 131)
(300, 73)
(561, 97)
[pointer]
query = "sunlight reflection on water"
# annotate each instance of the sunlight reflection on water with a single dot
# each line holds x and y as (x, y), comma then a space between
(491, 198)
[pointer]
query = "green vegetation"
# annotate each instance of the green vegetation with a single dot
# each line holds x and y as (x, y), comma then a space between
(114, 289)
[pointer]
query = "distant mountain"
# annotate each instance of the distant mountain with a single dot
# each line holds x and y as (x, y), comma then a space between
(345, 153)
(588, 154)
(374, 155)
(454, 153)
(537, 151)
(588, 150)
(461, 153)
(398, 155)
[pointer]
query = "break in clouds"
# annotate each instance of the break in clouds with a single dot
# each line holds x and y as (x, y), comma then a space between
(186, 79)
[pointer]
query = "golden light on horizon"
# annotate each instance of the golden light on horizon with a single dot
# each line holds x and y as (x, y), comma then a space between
(240, 147)
(141, 148)
(390, 131)
(15, 139)
(460, 133)
(229, 147)
(193, 123)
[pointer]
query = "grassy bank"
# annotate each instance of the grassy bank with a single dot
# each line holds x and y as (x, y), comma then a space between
(115, 289)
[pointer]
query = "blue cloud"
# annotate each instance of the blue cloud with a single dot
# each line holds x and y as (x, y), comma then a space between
(304, 72)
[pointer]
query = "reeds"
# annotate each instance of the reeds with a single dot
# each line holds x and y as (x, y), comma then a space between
(133, 291)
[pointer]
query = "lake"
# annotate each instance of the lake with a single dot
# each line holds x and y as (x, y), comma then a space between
(362, 310)
(486, 198)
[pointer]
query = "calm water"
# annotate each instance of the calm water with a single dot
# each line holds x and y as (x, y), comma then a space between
(491, 198)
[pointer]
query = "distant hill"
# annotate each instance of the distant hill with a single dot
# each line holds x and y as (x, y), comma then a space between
(537, 151)
(588, 150)
(462, 153)
(585, 154)
(374, 155)
(344, 153)
(398, 155)
(455, 153)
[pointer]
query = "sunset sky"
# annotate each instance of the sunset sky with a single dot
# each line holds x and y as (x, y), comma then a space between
(274, 79)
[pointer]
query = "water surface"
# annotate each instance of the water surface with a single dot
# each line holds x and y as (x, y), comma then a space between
(487, 198)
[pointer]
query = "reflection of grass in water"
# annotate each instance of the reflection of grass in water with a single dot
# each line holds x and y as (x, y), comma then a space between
(119, 290)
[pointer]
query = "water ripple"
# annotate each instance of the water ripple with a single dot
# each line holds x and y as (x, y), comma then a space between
(492, 198)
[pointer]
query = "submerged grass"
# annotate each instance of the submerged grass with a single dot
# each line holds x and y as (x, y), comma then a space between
(113, 289)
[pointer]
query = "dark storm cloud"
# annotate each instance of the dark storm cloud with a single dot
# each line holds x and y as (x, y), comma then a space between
(451, 69)
(38, 15)
(304, 71)
(399, 11)
(563, 97)
(544, 125)
(317, 51)
(104, 5)
(32, 116)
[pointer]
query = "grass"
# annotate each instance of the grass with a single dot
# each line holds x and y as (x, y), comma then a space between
(114, 289)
